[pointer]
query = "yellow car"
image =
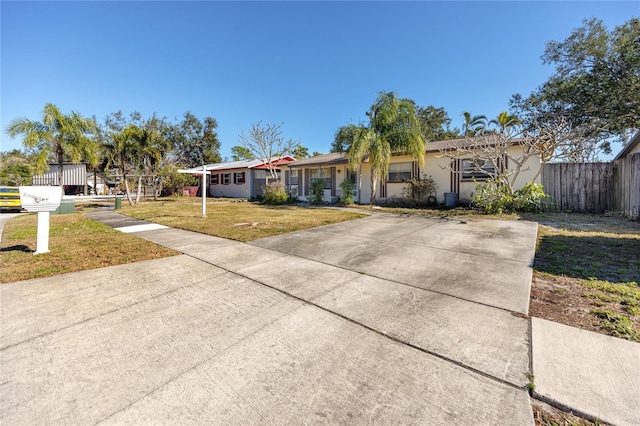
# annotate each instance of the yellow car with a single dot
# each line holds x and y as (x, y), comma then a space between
(10, 198)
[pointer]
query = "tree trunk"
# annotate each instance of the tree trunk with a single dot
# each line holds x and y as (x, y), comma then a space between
(95, 181)
(373, 188)
(126, 189)
(154, 185)
(60, 169)
(139, 190)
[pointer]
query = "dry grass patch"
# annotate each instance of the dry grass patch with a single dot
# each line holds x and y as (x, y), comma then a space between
(76, 243)
(546, 415)
(587, 273)
(240, 221)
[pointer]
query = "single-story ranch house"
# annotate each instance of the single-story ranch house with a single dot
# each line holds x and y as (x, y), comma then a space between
(246, 179)
(455, 176)
(238, 179)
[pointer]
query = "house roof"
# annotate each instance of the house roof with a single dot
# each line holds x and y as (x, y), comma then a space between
(635, 141)
(243, 164)
(341, 157)
(449, 144)
(331, 158)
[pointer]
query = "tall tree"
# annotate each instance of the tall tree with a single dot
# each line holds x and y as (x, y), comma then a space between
(596, 82)
(152, 148)
(239, 153)
(300, 152)
(435, 124)
(121, 152)
(505, 122)
(196, 142)
(15, 168)
(393, 128)
(473, 124)
(58, 136)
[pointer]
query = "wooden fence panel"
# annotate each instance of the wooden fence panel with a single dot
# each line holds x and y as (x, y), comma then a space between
(581, 187)
(627, 186)
(595, 187)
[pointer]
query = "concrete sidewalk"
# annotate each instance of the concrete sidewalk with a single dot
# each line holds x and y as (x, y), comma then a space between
(289, 329)
(595, 375)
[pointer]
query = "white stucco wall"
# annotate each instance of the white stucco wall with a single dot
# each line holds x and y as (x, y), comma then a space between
(438, 168)
(434, 166)
(231, 190)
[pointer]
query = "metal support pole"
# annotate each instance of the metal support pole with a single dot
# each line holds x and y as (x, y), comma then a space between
(204, 191)
(42, 237)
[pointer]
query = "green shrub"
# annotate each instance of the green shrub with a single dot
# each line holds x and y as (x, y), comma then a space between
(494, 197)
(347, 192)
(317, 191)
(292, 196)
(419, 190)
(274, 193)
(532, 198)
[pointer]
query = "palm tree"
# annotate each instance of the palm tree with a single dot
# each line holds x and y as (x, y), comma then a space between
(473, 125)
(57, 135)
(505, 121)
(121, 151)
(393, 128)
(152, 148)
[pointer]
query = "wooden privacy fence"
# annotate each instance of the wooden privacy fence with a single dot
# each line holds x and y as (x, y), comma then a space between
(595, 187)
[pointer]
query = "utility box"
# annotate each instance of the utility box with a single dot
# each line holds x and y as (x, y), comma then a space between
(66, 207)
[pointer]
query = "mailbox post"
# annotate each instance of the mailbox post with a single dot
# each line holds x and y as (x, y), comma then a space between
(43, 200)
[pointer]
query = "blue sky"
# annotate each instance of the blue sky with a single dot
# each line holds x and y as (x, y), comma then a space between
(313, 66)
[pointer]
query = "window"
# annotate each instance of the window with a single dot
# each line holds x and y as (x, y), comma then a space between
(399, 172)
(238, 178)
(477, 169)
(291, 177)
(324, 174)
(226, 178)
(213, 179)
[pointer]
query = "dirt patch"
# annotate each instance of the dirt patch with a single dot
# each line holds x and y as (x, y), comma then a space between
(561, 299)
(546, 415)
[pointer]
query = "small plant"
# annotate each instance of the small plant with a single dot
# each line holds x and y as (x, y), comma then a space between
(347, 192)
(531, 385)
(317, 191)
(275, 194)
(617, 325)
(292, 196)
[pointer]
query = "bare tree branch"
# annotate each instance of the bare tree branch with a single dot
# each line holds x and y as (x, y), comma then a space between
(552, 139)
(267, 144)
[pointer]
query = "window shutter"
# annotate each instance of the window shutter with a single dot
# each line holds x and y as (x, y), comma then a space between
(307, 177)
(333, 181)
(455, 176)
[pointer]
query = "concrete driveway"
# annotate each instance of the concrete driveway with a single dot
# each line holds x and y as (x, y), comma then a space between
(381, 320)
